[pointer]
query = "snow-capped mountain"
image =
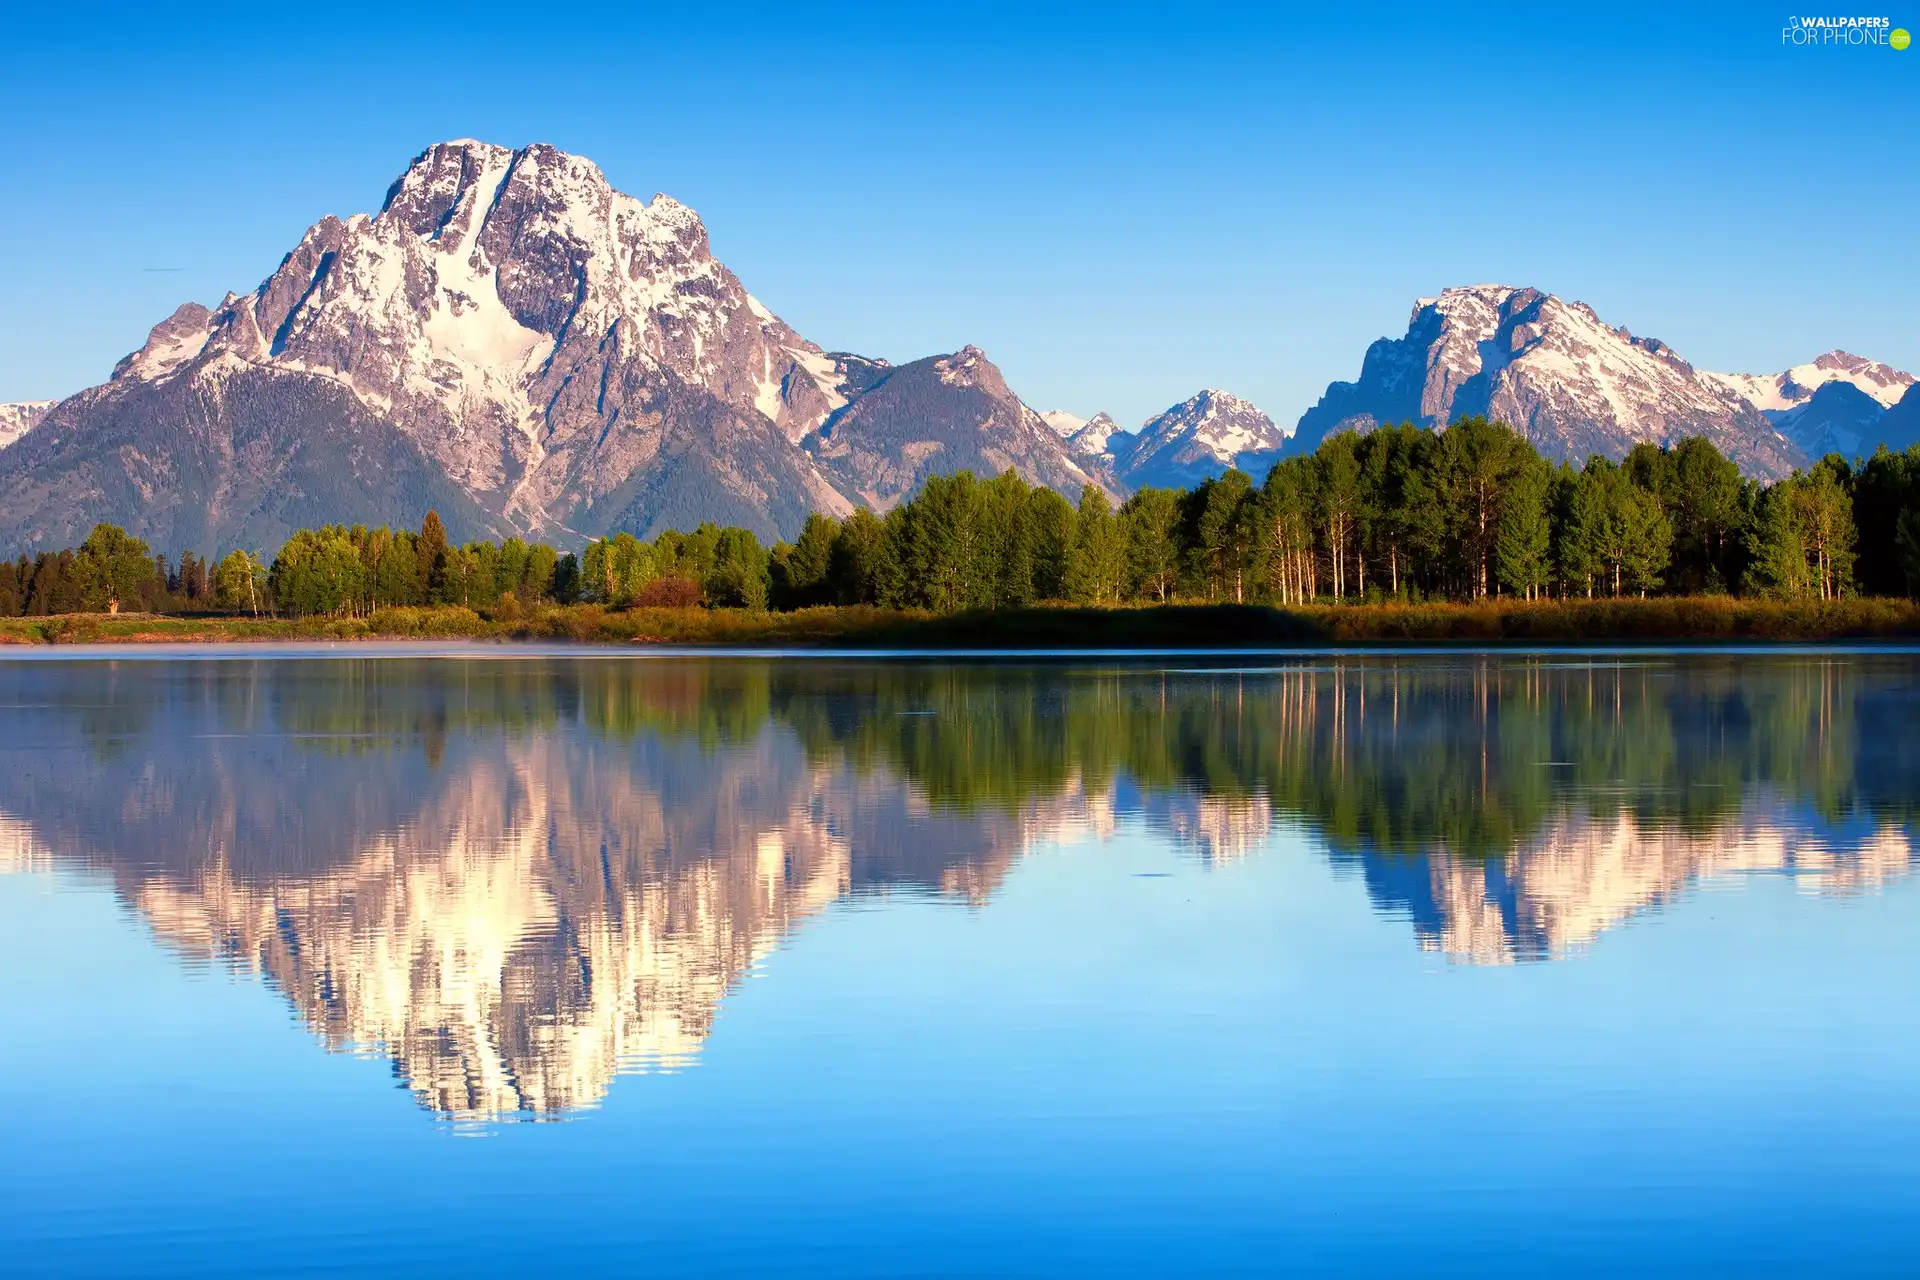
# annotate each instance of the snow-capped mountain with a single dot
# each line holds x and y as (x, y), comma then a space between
(1837, 418)
(1064, 424)
(1092, 437)
(1098, 436)
(509, 339)
(1198, 438)
(20, 417)
(1571, 383)
(1777, 393)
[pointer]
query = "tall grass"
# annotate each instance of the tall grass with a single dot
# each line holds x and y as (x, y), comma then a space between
(1045, 626)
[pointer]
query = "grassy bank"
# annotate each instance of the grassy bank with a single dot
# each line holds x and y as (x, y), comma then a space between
(1659, 620)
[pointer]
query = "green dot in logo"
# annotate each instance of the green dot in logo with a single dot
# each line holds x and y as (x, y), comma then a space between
(1899, 39)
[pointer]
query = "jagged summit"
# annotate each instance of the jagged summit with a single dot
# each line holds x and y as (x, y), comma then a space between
(1778, 393)
(1096, 436)
(1554, 369)
(1200, 437)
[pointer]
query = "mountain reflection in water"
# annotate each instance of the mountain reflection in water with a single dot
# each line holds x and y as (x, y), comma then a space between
(520, 879)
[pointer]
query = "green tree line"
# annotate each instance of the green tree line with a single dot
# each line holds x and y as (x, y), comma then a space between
(1398, 513)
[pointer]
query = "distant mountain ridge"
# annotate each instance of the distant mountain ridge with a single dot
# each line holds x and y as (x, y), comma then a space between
(1195, 439)
(515, 343)
(1575, 386)
(1778, 393)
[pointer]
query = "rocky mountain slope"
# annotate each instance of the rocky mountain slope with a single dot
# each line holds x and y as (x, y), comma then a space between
(1899, 427)
(934, 416)
(1571, 383)
(1778, 393)
(21, 417)
(1837, 418)
(1093, 437)
(508, 338)
(1198, 438)
(1098, 436)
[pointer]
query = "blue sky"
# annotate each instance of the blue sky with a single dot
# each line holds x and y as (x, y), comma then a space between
(1119, 204)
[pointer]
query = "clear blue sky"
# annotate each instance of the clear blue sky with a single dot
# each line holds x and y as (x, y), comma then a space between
(1121, 205)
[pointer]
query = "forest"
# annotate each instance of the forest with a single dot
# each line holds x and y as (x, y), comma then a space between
(1471, 513)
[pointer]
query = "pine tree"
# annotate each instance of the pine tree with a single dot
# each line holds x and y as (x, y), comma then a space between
(1096, 562)
(1150, 522)
(855, 570)
(431, 551)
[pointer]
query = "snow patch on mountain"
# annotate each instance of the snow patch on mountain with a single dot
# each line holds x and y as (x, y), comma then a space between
(20, 417)
(1197, 438)
(1778, 392)
(1839, 417)
(1064, 424)
(1097, 435)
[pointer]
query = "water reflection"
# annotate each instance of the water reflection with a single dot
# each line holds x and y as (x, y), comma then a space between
(520, 879)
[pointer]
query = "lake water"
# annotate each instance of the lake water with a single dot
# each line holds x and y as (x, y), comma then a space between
(1444, 964)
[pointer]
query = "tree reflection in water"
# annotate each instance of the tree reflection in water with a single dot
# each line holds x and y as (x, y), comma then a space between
(520, 878)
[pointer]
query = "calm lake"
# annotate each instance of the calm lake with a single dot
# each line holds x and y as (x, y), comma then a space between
(507, 963)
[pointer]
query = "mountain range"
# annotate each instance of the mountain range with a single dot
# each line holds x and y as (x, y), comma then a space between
(1576, 386)
(511, 341)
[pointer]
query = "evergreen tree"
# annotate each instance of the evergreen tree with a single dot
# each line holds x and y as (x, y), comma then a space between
(1050, 523)
(1097, 560)
(854, 572)
(1223, 520)
(799, 578)
(1699, 489)
(1007, 541)
(1150, 522)
(431, 552)
(738, 578)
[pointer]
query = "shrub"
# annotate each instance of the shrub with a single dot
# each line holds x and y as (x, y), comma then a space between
(668, 593)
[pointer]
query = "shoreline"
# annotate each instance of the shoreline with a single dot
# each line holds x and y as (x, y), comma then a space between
(1197, 629)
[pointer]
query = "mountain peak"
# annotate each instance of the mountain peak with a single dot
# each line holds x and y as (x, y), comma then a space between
(1200, 437)
(1777, 393)
(1555, 370)
(1838, 417)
